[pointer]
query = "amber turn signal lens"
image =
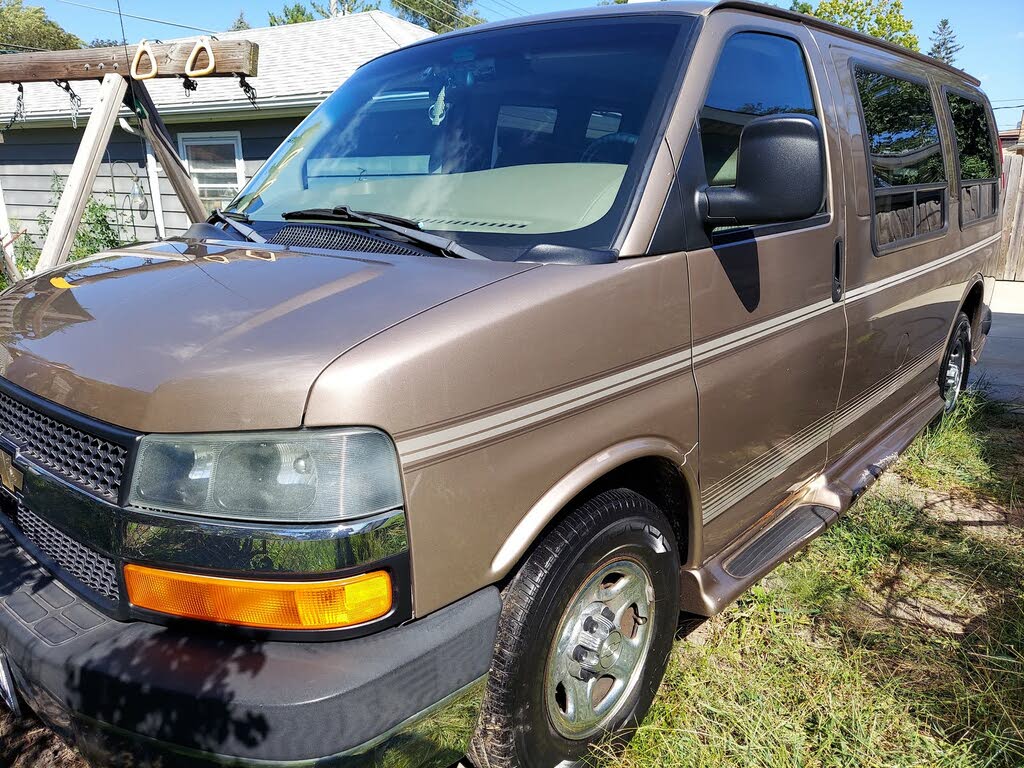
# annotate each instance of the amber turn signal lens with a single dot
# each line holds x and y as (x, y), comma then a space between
(267, 604)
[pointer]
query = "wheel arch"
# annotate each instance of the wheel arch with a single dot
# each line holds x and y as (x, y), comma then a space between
(973, 302)
(651, 466)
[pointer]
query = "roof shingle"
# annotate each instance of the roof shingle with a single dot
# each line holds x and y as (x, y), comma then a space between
(299, 66)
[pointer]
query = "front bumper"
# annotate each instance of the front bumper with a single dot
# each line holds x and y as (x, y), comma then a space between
(143, 694)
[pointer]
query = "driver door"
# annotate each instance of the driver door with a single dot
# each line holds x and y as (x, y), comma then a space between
(769, 337)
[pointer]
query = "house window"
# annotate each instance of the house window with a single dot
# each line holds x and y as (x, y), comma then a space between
(214, 160)
(976, 159)
(908, 172)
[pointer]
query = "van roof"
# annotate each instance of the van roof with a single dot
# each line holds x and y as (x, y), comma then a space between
(702, 8)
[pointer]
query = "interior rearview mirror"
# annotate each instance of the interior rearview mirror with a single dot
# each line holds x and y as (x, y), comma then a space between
(780, 174)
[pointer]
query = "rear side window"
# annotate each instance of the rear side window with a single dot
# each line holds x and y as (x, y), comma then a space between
(976, 159)
(908, 172)
(757, 74)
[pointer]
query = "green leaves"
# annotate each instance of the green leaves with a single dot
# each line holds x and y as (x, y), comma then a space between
(879, 18)
(29, 26)
(944, 44)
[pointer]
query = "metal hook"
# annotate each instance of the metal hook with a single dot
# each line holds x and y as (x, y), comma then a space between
(189, 85)
(76, 100)
(248, 90)
(19, 110)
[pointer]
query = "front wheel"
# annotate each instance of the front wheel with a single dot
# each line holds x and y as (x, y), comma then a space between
(584, 636)
(956, 364)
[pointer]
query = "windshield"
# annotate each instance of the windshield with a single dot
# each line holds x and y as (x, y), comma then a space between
(503, 139)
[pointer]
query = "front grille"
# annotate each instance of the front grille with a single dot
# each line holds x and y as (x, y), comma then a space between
(92, 569)
(84, 459)
(337, 239)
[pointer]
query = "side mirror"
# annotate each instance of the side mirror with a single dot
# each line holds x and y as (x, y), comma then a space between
(780, 174)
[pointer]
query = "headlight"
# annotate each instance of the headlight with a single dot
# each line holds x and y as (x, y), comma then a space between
(311, 476)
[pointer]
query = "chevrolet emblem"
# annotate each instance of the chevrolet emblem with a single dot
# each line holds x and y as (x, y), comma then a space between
(10, 476)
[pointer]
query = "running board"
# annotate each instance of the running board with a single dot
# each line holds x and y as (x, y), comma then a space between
(707, 590)
(777, 541)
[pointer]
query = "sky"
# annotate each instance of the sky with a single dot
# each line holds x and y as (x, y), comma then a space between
(991, 31)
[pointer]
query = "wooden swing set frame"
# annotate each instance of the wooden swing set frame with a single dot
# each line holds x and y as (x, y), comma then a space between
(122, 71)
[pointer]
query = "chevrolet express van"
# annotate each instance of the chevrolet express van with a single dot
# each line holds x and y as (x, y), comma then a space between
(530, 338)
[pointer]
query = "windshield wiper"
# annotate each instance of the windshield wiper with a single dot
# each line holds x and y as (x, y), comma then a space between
(237, 222)
(404, 227)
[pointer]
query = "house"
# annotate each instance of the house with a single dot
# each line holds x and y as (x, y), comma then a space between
(1011, 138)
(222, 139)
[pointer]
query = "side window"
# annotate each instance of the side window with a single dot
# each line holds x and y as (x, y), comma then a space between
(757, 74)
(976, 156)
(907, 168)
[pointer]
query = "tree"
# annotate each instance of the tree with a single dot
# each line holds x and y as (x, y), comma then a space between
(437, 16)
(240, 23)
(944, 44)
(30, 27)
(299, 12)
(879, 18)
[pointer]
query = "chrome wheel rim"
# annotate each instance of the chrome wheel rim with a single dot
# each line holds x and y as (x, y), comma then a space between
(953, 377)
(600, 649)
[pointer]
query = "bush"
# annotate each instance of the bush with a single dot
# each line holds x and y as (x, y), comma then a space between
(99, 230)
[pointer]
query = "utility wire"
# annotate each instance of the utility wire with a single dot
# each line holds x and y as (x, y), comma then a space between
(21, 47)
(1011, 106)
(141, 18)
(448, 27)
(517, 10)
(451, 8)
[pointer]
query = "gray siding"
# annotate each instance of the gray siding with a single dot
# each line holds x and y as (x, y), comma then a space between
(29, 157)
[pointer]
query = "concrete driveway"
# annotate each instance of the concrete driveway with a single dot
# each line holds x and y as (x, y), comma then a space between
(1002, 363)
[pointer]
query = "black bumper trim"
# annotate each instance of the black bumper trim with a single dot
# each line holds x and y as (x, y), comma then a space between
(215, 692)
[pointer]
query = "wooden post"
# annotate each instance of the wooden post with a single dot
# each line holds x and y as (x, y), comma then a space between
(6, 235)
(78, 186)
(154, 192)
(160, 140)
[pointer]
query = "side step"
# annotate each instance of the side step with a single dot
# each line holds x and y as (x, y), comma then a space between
(773, 543)
(709, 589)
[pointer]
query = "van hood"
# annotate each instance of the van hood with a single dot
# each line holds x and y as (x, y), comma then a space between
(201, 336)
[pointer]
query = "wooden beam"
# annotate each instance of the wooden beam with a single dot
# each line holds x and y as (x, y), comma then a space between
(231, 57)
(166, 152)
(78, 186)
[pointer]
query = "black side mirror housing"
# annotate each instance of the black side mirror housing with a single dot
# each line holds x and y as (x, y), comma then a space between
(780, 174)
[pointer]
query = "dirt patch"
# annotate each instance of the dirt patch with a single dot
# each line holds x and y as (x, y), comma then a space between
(925, 601)
(27, 743)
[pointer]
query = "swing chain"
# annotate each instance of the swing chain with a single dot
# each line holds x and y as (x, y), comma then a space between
(76, 100)
(248, 90)
(19, 110)
(189, 85)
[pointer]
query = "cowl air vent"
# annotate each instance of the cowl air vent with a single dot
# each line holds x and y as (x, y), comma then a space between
(337, 239)
(475, 223)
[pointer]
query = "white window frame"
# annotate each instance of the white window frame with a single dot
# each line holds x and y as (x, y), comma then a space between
(213, 137)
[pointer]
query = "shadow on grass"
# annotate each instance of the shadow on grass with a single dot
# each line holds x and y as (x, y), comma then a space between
(897, 639)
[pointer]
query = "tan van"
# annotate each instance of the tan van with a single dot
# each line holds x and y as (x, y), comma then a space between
(530, 338)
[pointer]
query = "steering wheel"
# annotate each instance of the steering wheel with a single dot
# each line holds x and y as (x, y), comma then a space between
(617, 141)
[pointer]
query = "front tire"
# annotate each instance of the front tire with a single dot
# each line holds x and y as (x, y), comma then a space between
(584, 636)
(956, 363)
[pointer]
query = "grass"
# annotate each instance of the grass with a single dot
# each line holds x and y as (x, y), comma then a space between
(897, 639)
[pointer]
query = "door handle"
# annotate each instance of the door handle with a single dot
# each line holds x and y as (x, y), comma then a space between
(837, 271)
